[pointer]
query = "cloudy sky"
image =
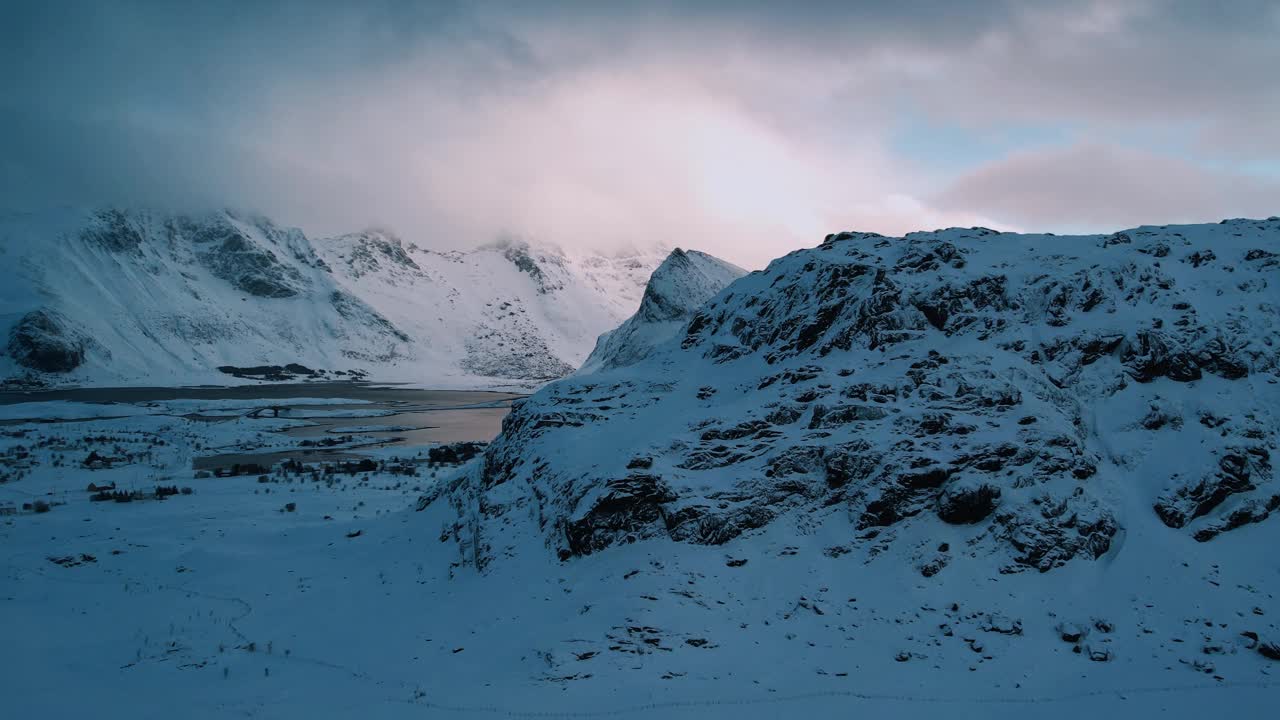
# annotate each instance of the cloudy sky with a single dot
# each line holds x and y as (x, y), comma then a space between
(743, 128)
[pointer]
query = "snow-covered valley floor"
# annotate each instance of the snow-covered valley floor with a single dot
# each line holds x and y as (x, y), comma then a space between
(224, 603)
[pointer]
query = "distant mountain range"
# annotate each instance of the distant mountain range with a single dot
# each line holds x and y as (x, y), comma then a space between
(121, 296)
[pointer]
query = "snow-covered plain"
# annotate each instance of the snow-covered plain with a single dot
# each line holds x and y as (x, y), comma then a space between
(888, 477)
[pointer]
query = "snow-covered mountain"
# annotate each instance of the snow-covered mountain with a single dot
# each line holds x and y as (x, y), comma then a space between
(682, 283)
(124, 296)
(116, 296)
(507, 310)
(1033, 399)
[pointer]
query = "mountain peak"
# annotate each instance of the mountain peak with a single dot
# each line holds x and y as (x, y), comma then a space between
(677, 288)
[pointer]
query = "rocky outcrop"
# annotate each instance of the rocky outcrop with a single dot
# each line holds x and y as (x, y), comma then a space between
(966, 503)
(232, 254)
(682, 283)
(1236, 473)
(377, 252)
(627, 510)
(113, 230)
(45, 340)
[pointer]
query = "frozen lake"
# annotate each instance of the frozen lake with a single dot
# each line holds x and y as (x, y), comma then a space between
(313, 421)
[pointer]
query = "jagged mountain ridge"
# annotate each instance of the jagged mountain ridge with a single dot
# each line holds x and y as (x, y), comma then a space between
(1043, 397)
(127, 296)
(678, 287)
(137, 296)
(508, 309)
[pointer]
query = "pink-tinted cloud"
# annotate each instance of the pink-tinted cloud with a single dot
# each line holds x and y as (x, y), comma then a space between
(1091, 186)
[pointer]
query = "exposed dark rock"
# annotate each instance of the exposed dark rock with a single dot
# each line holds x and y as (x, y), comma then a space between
(702, 525)
(735, 432)
(830, 417)
(1200, 257)
(234, 256)
(45, 340)
(966, 502)
(1217, 357)
(1236, 469)
(455, 453)
(1152, 354)
(931, 477)
(850, 462)
(112, 230)
(1254, 510)
(640, 463)
(796, 460)
(1055, 530)
(278, 373)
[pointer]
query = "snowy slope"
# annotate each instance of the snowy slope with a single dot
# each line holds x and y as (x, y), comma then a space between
(150, 298)
(680, 285)
(506, 310)
(132, 297)
(1038, 396)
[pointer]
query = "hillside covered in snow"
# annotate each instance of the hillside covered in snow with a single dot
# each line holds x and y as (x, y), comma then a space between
(952, 448)
(1039, 395)
(131, 297)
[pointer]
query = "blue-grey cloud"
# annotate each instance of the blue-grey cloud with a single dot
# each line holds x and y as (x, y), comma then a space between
(720, 124)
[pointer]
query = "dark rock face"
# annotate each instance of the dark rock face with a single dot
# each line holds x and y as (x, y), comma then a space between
(1253, 510)
(113, 230)
(629, 509)
(850, 462)
(954, 309)
(697, 524)
(455, 453)
(1236, 470)
(828, 417)
(375, 250)
(232, 255)
(966, 503)
(1064, 528)
(1153, 354)
(519, 254)
(276, 373)
(44, 340)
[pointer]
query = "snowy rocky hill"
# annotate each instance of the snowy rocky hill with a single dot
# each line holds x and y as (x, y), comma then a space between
(1033, 399)
(681, 284)
(129, 297)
